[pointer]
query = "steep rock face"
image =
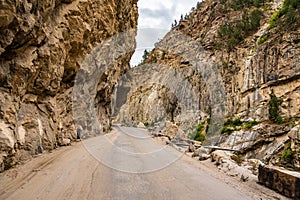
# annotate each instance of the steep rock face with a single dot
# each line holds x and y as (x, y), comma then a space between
(256, 56)
(42, 47)
(156, 95)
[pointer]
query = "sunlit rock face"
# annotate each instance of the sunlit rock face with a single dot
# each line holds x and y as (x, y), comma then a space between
(42, 46)
(255, 60)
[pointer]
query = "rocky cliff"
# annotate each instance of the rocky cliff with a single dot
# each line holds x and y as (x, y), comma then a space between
(42, 47)
(246, 71)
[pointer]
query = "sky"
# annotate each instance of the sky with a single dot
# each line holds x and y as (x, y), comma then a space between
(155, 19)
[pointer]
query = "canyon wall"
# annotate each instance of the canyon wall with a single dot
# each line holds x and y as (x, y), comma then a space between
(43, 44)
(254, 47)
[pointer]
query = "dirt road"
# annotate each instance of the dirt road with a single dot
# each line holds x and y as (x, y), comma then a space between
(75, 173)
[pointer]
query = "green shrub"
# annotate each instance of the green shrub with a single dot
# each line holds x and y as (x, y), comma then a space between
(250, 124)
(263, 39)
(235, 125)
(237, 122)
(279, 120)
(240, 4)
(290, 10)
(237, 158)
(227, 129)
(255, 18)
(200, 127)
(199, 137)
(233, 33)
(288, 155)
(163, 55)
(228, 122)
(199, 4)
(231, 125)
(274, 104)
(198, 134)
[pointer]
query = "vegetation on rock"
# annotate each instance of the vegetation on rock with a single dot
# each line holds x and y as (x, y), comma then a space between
(240, 4)
(288, 16)
(287, 155)
(274, 104)
(238, 158)
(198, 134)
(263, 39)
(145, 56)
(250, 124)
(232, 33)
(236, 125)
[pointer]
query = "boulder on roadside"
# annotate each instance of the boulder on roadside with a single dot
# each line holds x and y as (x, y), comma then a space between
(2, 166)
(197, 144)
(65, 142)
(196, 153)
(203, 156)
(202, 153)
(244, 178)
(141, 125)
(252, 165)
(220, 156)
(191, 148)
(200, 150)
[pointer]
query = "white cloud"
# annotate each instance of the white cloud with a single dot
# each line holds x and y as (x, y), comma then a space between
(155, 19)
(146, 38)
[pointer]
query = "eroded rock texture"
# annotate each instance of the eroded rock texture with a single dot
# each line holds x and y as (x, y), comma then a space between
(255, 62)
(280, 180)
(42, 46)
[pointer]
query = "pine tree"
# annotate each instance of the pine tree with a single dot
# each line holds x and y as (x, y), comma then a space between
(145, 56)
(181, 17)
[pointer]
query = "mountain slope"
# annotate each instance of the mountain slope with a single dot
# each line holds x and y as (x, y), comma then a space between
(253, 46)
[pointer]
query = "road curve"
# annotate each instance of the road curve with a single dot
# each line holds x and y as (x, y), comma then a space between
(76, 173)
